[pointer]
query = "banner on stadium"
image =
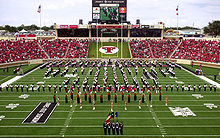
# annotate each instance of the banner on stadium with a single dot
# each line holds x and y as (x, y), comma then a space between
(64, 26)
(73, 26)
(122, 10)
(82, 26)
(135, 26)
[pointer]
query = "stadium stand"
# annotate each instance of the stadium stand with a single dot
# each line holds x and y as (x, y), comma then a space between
(19, 50)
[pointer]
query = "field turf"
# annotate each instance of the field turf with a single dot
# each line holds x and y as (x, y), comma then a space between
(156, 121)
(93, 50)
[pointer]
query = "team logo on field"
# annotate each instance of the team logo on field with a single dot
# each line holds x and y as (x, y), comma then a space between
(24, 96)
(2, 117)
(198, 96)
(12, 106)
(178, 111)
(108, 50)
(210, 105)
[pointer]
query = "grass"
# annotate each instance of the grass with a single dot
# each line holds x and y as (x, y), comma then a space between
(209, 72)
(148, 122)
(93, 50)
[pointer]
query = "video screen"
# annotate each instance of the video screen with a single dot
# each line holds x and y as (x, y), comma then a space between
(109, 13)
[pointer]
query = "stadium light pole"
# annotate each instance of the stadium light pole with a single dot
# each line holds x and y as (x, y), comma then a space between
(97, 44)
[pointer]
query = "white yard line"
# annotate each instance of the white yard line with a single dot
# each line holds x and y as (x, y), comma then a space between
(16, 78)
(157, 121)
(66, 124)
(204, 78)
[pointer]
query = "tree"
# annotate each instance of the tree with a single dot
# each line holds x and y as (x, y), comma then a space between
(213, 28)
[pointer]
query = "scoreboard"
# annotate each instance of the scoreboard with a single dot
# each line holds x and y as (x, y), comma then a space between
(109, 11)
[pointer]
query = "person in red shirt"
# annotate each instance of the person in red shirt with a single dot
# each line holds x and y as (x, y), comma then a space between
(109, 96)
(122, 96)
(101, 98)
(90, 98)
(115, 98)
(95, 96)
(160, 96)
(66, 98)
(135, 96)
(129, 98)
(149, 96)
(143, 98)
(54, 98)
(85, 95)
(78, 100)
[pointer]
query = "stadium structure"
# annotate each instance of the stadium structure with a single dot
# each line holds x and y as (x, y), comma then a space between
(109, 77)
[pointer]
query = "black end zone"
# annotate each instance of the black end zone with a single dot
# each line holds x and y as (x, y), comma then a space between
(40, 114)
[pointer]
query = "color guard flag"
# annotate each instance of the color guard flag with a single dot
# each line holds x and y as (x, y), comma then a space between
(39, 9)
(108, 118)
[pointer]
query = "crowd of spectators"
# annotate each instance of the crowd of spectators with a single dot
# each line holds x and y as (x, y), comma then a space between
(12, 51)
(201, 50)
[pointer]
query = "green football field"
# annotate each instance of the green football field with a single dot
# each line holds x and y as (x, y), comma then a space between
(155, 121)
(93, 50)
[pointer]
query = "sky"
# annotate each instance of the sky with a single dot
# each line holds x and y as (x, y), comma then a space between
(191, 12)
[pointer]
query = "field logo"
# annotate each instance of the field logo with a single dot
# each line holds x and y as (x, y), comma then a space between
(178, 111)
(2, 117)
(12, 106)
(108, 50)
(198, 96)
(210, 105)
(24, 96)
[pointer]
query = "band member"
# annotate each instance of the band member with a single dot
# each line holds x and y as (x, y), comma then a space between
(109, 96)
(171, 87)
(105, 128)
(85, 95)
(78, 100)
(139, 103)
(17, 86)
(143, 97)
(101, 98)
(177, 87)
(60, 87)
(38, 88)
(149, 96)
(0, 88)
(93, 105)
(80, 104)
(90, 98)
(125, 105)
(117, 127)
(135, 96)
(11, 86)
(43, 87)
(54, 98)
(113, 128)
(26, 86)
(71, 95)
(49, 87)
(160, 96)
(121, 128)
(189, 87)
(210, 87)
(7, 87)
(32, 87)
(129, 96)
(166, 100)
(166, 86)
(66, 98)
(205, 86)
(109, 128)
(122, 96)
(95, 96)
(194, 88)
(115, 98)
(215, 87)
(111, 106)
(183, 87)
